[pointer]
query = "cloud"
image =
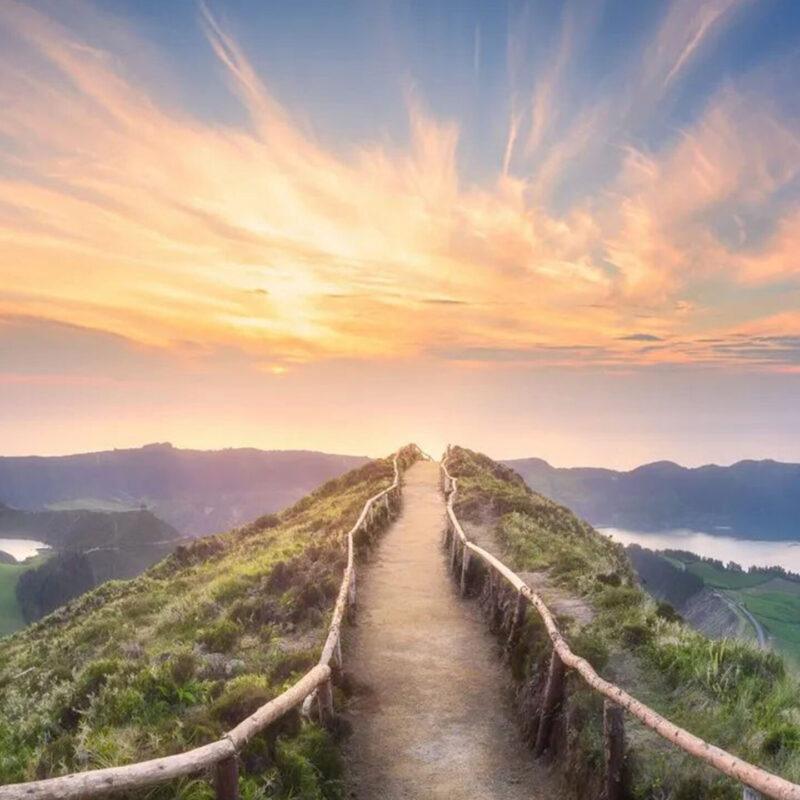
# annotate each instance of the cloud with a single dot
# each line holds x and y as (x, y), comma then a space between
(640, 337)
(121, 215)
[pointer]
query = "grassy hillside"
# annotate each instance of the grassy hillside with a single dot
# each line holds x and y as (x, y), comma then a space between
(173, 658)
(11, 618)
(727, 692)
(772, 599)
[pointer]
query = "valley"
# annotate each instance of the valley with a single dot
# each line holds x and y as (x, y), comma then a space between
(111, 515)
(759, 605)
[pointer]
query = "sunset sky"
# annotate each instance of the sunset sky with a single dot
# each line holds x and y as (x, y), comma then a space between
(569, 230)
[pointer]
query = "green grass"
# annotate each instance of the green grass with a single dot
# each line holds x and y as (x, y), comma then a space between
(727, 692)
(122, 675)
(726, 578)
(779, 613)
(773, 601)
(10, 613)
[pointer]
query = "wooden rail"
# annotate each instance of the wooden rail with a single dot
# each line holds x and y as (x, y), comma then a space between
(222, 754)
(751, 776)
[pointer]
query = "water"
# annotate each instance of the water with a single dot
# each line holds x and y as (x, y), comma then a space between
(747, 552)
(22, 548)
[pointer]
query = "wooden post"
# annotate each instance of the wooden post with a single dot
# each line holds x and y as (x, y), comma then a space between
(336, 661)
(464, 570)
(553, 695)
(351, 591)
(226, 779)
(453, 552)
(614, 748)
(325, 700)
(516, 623)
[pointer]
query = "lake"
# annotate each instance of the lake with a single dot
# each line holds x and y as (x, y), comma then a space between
(747, 552)
(22, 548)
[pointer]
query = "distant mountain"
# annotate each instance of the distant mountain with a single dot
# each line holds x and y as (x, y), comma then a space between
(196, 491)
(750, 499)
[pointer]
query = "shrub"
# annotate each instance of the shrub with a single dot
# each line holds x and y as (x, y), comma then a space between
(619, 597)
(636, 634)
(241, 697)
(182, 667)
(668, 612)
(221, 636)
(310, 766)
(590, 645)
(784, 739)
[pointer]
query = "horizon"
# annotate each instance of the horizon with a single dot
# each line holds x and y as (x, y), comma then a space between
(432, 453)
(305, 227)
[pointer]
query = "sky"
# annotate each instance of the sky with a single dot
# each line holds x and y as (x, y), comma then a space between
(566, 230)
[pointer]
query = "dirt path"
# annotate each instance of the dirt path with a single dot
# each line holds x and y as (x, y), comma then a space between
(431, 715)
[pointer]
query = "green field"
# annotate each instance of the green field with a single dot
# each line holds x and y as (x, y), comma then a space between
(10, 615)
(725, 578)
(773, 601)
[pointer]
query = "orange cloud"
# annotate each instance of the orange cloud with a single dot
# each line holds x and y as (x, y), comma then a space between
(121, 215)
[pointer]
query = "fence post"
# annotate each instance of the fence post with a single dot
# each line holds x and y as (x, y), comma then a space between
(325, 700)
(614, 749)
(336, 662)
(465, 557)
(453, 552)
(516, 623)
(226, 779)
(553, 694)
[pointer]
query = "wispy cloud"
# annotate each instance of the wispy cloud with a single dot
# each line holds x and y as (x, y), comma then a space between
(121, 215)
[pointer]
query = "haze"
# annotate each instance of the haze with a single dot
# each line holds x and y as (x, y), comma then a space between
(565, 230)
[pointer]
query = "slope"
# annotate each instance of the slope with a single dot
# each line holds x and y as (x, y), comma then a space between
(726, 692)
(173, 658)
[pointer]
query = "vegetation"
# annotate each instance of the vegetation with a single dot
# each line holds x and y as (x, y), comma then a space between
(49, 585)
(727, 692)
(771, 595)
(170, 660)
(11, 616)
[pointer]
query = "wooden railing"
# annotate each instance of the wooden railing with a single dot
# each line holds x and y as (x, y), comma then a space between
(221, 756)
(751, 776)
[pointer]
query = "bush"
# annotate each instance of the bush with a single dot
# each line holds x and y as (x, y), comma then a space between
(619, 597)
(784, 739)
(221, 636)
(589, 644)
(636, 634)
(241, 697)
(310, 766)
(668, 612)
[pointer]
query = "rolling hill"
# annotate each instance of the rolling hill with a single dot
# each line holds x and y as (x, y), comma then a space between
(750, 499)
(196, 491)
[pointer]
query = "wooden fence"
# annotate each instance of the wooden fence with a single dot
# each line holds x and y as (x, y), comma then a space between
(753, 778)
(221, 756)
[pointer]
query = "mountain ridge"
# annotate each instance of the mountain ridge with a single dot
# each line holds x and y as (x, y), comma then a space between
(195, 491)
(757, 499)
